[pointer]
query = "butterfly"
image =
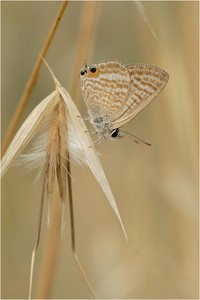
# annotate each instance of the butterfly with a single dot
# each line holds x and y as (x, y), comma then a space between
(115, 93)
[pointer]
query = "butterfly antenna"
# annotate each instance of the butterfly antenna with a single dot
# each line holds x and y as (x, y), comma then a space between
(84, 62)
(135, 138)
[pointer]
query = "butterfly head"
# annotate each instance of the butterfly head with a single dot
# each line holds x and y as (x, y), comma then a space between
(89, 71)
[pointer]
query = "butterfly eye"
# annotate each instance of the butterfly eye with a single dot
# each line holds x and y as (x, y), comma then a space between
(92, 69)
(83, 72)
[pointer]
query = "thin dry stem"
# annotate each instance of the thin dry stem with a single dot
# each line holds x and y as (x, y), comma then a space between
(32, 80)
(73, 240)
(49, 257)
(141, 9)
(71, 210)
(84, 275)
(36, 243)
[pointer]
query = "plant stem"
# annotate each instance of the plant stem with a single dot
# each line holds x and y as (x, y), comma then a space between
(32, 80)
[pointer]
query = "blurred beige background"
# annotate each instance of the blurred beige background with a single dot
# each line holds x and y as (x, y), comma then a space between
(156, 188)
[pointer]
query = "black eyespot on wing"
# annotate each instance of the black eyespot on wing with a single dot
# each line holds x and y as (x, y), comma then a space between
(83, 72)
(92, 69)
(115, 133)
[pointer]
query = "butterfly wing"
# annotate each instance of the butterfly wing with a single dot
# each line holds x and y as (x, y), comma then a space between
(146, 83)
(105, 89)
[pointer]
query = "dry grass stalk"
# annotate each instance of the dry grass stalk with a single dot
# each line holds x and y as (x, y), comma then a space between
(33, 78)
(87, 28)
(64, 117)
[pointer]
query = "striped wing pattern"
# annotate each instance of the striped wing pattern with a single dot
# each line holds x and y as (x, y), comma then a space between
(106, 89)
(146, 83)
(116, 93)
